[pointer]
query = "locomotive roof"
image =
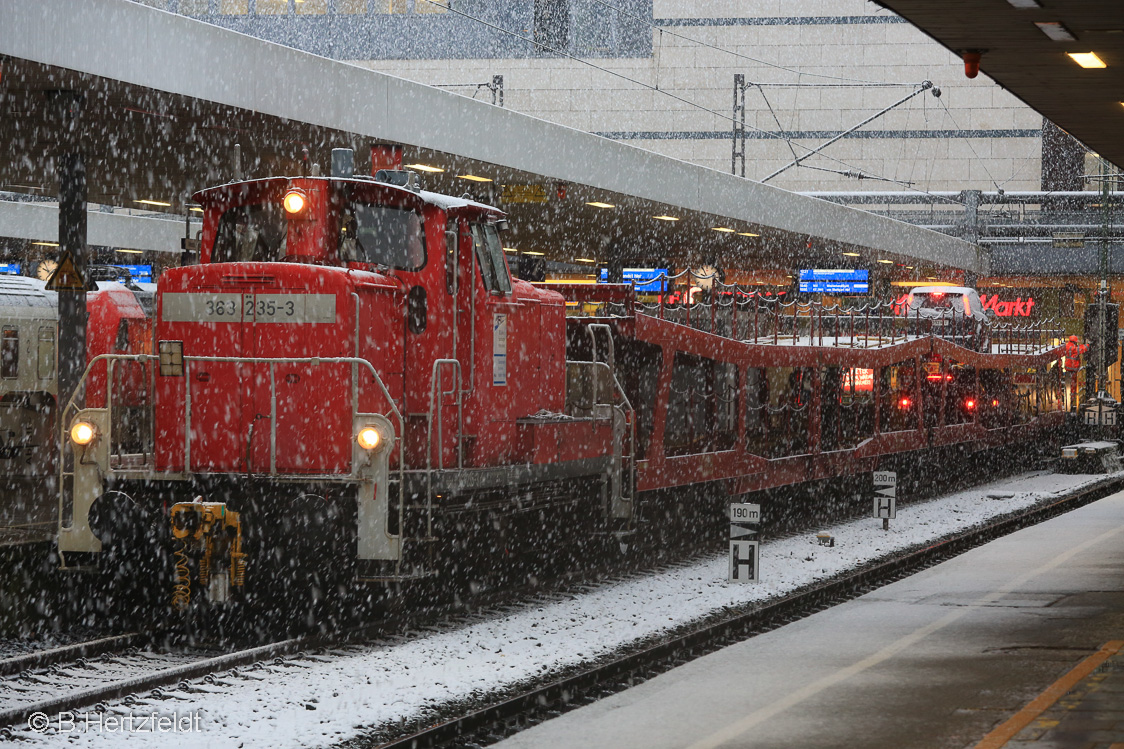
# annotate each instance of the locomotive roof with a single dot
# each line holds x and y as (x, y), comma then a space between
(444, 202)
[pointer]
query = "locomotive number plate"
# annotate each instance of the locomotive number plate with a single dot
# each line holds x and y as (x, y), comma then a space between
(262, 308)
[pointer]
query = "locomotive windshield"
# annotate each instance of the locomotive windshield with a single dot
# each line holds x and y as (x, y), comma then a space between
(489, 253)
(251, 233)
(382, 235)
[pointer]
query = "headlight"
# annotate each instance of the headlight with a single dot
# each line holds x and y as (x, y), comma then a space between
(369, 438)
(294, 201)
(83, 433)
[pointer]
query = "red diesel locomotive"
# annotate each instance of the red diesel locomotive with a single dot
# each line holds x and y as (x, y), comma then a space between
(359, 344)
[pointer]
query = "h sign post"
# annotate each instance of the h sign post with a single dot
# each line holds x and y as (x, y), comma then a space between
(745, 553)
(885, 497)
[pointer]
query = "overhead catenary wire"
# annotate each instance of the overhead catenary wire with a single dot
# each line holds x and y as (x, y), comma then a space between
(851, 170)
(983, 164)
(848, 82)
(641, 84)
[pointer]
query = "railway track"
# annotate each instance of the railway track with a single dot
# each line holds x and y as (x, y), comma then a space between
(92, 673)
(71, 682)
(494, 722)
(100, 671)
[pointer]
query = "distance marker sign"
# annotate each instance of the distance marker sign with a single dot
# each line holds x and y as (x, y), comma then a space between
(885, 496)
(745, 553)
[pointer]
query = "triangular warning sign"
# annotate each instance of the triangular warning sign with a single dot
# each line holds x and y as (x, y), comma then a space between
(66, 277)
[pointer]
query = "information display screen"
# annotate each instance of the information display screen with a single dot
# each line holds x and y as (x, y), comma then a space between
(140, 273)
(835, 281)
(10, 269)
(648, 280)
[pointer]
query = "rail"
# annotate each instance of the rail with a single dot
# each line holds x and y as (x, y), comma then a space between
(733, 312)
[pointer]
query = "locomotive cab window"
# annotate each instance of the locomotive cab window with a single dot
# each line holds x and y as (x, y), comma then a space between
(382, 235)
(10, 354)
(251, 233)
(489, 253)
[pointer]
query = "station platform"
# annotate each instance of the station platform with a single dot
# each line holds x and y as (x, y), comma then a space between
(1019, 643)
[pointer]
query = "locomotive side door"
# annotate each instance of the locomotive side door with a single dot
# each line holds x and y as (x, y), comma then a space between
(497, 330)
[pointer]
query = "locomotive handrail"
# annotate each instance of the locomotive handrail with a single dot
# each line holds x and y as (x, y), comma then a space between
(311, 360)
(434, 406)
(622, 404)
(110, 359)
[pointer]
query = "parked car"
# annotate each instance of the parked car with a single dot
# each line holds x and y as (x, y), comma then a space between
(953, 312)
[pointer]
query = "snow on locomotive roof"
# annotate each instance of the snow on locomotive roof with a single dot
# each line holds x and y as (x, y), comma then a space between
(442, 201)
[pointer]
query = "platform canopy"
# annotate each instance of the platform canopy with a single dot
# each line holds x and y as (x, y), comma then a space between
(165, 99)
(1025, 46)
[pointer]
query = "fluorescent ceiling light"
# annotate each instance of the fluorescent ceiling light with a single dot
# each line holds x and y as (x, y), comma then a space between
(1087, 59)
(666, 218)
(1056, 31)
(585, 260)
(532, 252)
(888, 262)
(747, 234)
(131, 252)
(1025, 4)
(154, 202)
(722, 228)
(601, 205)
(511, 249)
(425, 168)
(197, 209)
(47, 244)
(851, 254)
(473, 178)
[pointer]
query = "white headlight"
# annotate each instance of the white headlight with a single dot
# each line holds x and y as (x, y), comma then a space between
(369, 438)
(83, 433)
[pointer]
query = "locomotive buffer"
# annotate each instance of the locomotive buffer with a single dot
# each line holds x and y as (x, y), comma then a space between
(745, 554)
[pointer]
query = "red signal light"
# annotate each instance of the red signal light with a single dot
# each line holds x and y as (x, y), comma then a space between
(970, 404)
(995, 402)
(905, 403)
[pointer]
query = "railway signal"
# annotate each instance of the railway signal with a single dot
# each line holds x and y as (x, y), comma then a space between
(745, 552)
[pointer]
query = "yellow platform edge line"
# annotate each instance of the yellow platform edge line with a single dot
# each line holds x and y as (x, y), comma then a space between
(1007, 730)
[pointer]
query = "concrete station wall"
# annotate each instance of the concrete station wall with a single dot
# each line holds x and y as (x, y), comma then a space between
(976, 136)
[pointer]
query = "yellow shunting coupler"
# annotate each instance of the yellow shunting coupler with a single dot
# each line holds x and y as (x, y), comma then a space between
(211, 535)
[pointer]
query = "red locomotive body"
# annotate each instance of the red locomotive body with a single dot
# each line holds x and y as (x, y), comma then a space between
(351, 337)
(364, 342)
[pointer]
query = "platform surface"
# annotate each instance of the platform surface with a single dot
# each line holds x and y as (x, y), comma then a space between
(940, 659)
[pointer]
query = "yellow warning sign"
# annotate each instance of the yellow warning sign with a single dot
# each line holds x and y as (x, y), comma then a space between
(524, 194)
(66, 277)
